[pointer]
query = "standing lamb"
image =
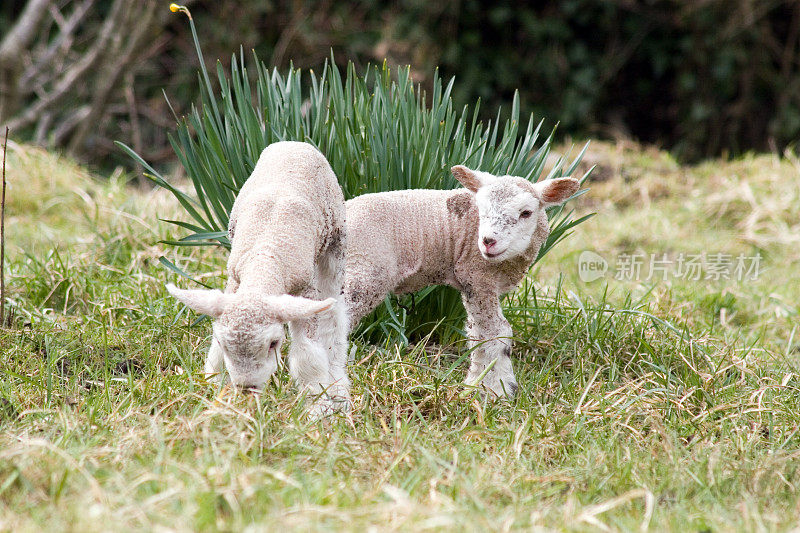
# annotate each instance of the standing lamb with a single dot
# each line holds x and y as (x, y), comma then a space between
(287, 232)
(481, 241)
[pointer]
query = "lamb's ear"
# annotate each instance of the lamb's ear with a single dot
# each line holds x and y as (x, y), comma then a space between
(286, 308)
(207, 302)
(556, 191)
(468, 178)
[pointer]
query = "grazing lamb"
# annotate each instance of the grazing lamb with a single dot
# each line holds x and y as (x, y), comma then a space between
(480, 241)
(287, 232)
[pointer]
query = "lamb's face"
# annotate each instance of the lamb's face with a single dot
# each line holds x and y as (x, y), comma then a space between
(511, 209)
(250, 350)
(509, 214)
(248, 327)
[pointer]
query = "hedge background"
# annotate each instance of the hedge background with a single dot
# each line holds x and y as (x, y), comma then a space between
(703, 78)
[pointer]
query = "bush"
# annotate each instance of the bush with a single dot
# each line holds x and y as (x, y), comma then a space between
(379, 132)
(700, 78)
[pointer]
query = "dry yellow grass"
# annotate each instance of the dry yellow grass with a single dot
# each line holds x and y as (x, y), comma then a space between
(623, 423)
(649, 204)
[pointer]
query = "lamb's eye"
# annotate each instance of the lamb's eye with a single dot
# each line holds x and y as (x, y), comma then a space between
(273, 345)
(525, 214)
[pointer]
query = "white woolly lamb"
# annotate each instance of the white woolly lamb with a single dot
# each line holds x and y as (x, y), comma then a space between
(481, 241)
(287, 232)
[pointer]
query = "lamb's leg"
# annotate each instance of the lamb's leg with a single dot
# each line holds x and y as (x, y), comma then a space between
(310, 366)
(214, 362)
(318, 355)
(489, 339)
(308, 362)
(332, 327)
(334, 334)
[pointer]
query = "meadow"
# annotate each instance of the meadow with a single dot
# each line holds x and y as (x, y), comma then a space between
(644, 404)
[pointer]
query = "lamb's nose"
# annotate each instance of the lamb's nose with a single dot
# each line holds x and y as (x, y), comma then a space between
(488, 242)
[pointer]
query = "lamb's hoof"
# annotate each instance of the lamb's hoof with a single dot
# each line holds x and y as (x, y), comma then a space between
(501, 391)
(326, 406)
(510, 389)
(497, 390)
(342, 405)
(319, 410)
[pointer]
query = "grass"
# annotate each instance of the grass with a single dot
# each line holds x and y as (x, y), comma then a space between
(642, 406)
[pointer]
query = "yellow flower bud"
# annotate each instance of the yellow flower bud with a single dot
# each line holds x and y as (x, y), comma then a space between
(183, 9)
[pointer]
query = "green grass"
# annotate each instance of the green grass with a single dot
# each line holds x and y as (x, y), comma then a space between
(640, 406)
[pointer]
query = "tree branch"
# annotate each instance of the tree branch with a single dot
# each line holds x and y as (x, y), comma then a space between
(24, 30)
(109, 77)
(74, 74)
(11, 47)
(60, 43)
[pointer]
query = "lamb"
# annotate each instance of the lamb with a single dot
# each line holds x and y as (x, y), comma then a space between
(287, 232)
(481, 241)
